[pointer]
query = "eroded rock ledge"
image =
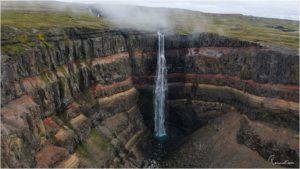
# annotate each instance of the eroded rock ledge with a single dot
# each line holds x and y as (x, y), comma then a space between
(83, 93)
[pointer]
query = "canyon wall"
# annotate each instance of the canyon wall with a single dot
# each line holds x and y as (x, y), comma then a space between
(70, 101)
(83, 97)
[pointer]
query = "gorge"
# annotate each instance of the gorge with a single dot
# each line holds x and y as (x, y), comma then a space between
(64, 92)
(89, 97)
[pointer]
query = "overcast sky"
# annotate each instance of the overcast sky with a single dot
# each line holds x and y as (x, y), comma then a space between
(284, 9)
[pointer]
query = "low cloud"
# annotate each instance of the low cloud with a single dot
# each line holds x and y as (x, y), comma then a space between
(135, 17)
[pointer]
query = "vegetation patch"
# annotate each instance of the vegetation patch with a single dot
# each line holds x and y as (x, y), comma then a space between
(23, 39)
(95, 150)
(99, 140)
(41, 37)
(16, 48)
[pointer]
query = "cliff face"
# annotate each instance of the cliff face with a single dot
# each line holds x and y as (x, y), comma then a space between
(73, 98)
(83, 97)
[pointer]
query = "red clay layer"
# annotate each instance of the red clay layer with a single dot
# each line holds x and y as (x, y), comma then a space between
(190, 76)
(109, 58)
(31, 82)
(128, 81)
(224, 50)
(72, 106)
(34, 82)
(48, 121)
(98, 87)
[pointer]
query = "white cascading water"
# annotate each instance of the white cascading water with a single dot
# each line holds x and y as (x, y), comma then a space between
(160, 89)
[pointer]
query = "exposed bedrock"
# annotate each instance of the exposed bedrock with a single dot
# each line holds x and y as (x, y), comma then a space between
(83, 97)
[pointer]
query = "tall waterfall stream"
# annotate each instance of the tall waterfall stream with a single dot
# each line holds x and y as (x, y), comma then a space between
(161, 88)
(163, 141)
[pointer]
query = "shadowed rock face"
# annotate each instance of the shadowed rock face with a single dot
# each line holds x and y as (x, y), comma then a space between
(84, 93)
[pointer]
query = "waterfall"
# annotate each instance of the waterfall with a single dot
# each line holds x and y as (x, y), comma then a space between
(160, 89)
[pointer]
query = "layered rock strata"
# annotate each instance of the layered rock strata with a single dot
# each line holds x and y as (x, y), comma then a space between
(82, 93)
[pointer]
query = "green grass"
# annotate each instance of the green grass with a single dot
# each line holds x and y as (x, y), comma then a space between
(44, 17)
(48, 19)
(23, 39)
(25, 21)
(16, 48)
(41, 37)
(238, 26)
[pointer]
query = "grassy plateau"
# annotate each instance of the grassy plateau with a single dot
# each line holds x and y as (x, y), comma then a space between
(45, 15)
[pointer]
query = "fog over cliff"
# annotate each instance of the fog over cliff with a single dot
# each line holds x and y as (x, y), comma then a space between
(135, 17)
(285, 9)
(145, 18)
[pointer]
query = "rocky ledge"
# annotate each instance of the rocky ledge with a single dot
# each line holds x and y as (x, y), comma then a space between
(83, 98)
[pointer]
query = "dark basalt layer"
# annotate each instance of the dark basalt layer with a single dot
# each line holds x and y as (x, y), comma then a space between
(82, 93)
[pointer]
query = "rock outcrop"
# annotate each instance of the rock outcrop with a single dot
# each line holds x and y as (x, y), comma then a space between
(81, 93)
